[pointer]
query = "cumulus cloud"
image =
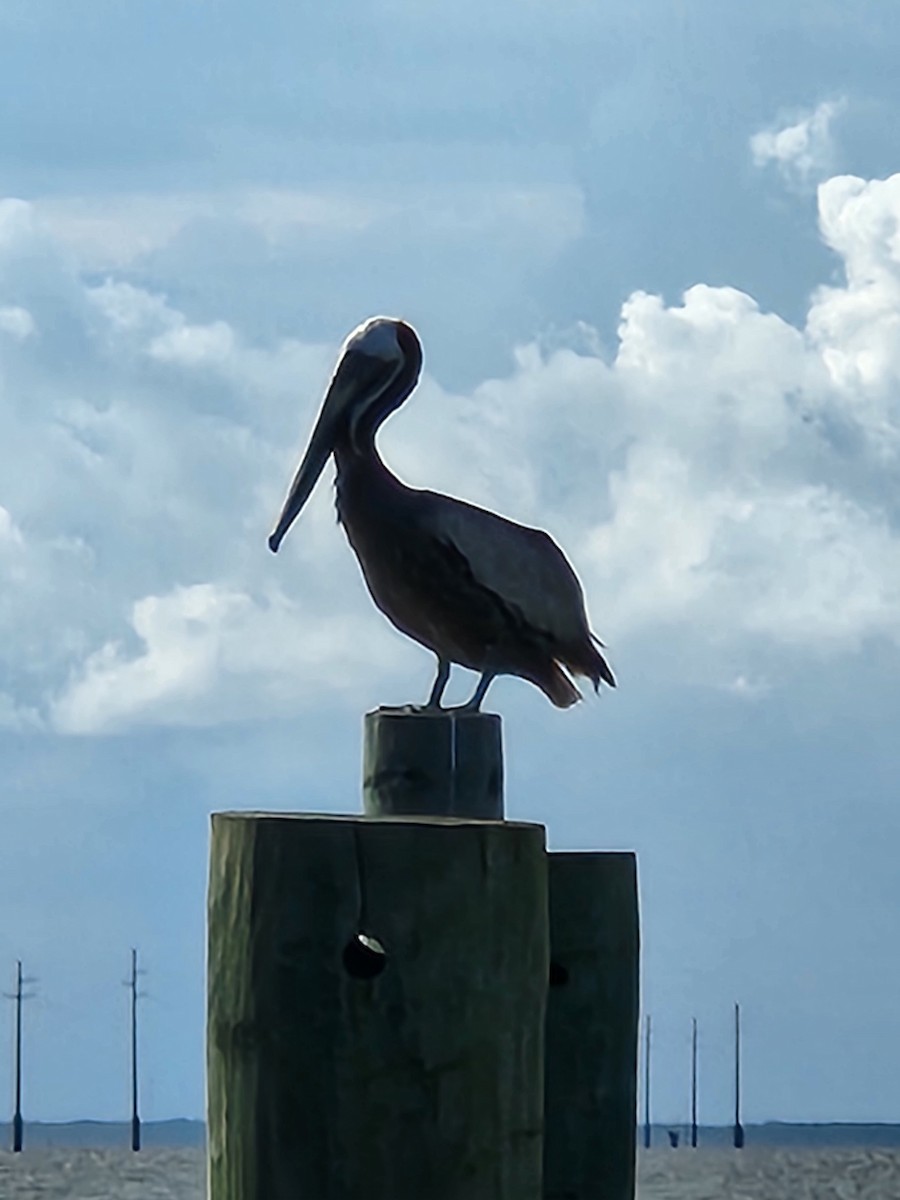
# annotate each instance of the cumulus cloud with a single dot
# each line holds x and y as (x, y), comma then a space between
(855, 326)
(695, 478)
(203, 649)
(803, 151)
(724, 477)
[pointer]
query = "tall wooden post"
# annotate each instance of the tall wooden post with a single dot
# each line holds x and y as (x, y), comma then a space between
(376, 1003)
(592, 1027)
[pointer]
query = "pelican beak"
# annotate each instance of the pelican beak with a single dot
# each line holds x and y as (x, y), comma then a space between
(321, 444)
(359, 377)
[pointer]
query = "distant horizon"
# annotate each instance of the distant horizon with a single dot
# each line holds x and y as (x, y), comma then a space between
(191, 1133)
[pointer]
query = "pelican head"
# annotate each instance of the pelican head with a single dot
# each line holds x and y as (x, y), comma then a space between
(377, 369)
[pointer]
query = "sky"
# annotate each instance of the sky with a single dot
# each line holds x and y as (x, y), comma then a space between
(653, 254)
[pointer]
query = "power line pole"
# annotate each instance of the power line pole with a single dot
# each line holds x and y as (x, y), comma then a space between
(694, 1083)
(647, 1084)
(18, 995)
(135, 996)
(738, 1127)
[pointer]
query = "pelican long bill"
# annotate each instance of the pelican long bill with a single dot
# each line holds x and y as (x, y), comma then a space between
(321, 444)
(359, 378)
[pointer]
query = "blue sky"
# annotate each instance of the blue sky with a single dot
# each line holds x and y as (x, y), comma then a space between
(653, 255)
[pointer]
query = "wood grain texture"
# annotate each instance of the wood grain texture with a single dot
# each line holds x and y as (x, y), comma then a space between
(422, 1083)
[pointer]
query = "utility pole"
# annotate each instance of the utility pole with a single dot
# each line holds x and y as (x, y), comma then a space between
(18, 995)
(131, 984)
(694, 1083)
(647, 1084)
(738, 1127)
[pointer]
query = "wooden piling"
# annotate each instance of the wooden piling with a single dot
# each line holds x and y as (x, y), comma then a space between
(592, 1027)
(376, 1004)
(433, 764)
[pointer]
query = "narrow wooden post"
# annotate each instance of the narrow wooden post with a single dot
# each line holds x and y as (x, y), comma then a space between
(376, 1003)
(433, 764)
(592, 1027)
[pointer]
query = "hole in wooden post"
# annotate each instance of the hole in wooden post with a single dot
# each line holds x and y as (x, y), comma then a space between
(559, 976)
(364, 956)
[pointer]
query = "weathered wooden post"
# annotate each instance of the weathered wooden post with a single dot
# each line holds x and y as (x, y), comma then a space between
(376, 1002)
(443, 764)
(592, 1027)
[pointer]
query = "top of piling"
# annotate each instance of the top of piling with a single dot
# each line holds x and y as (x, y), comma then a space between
(435, 763)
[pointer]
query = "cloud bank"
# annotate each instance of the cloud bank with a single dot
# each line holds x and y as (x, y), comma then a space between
(723, 478)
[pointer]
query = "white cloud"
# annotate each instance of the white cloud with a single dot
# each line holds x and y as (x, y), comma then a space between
(803, 151)
(195, 345)
(717, 475)
(203, 650)
(17, 322)
(725, 478)
(856, 326)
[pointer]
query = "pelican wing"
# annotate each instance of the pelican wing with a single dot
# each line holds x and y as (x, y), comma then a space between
(523, 567)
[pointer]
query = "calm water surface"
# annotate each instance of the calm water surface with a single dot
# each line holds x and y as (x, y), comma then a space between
(753, 1174)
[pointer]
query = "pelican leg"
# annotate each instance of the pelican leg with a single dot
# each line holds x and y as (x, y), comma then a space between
(440, 682)
(474, 705)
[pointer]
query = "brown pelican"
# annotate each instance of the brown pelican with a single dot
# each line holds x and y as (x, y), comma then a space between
(469, 585)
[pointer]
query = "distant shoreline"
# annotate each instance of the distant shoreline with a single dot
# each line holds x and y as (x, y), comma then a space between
(179, 1133)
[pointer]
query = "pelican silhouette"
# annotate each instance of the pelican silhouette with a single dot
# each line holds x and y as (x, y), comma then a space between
(471, 586)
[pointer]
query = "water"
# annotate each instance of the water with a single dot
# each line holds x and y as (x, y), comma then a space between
(757, 1173)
